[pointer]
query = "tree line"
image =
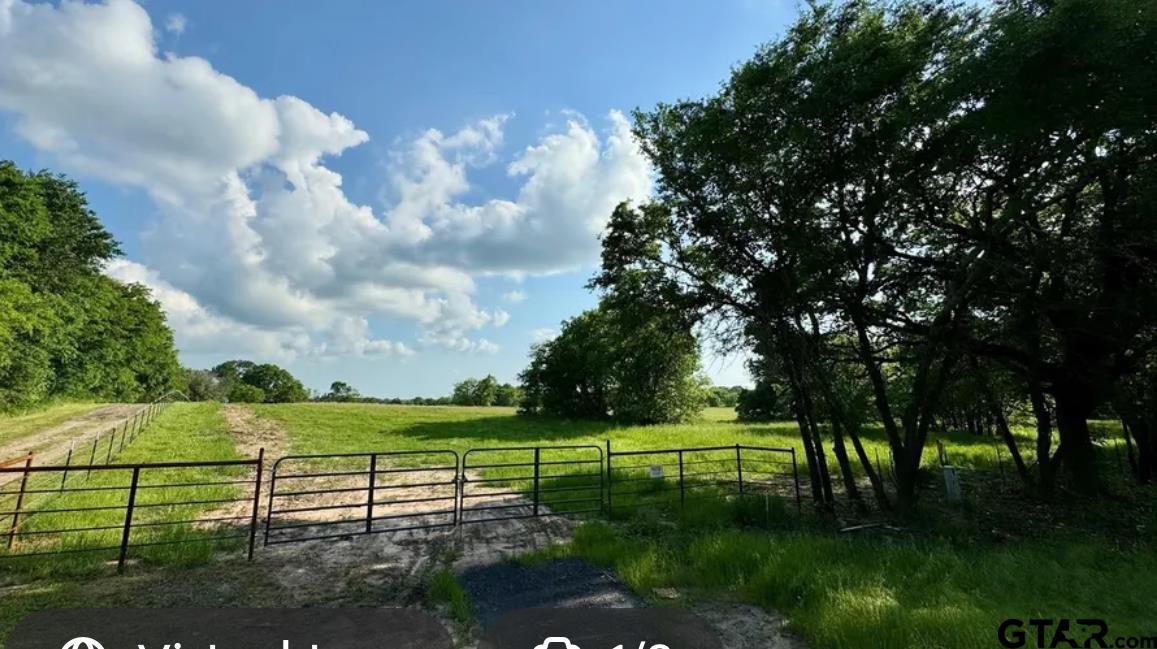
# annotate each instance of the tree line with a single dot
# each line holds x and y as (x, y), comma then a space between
(918, 214)
(66, 329)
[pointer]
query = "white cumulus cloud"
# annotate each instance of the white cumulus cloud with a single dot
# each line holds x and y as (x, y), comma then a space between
(254, 244)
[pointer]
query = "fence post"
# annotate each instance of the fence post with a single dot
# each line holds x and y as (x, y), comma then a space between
(256, 500)
(272, 491)
(370, 499)
(795, 479)
(92, 457)
(111, 441)
(682, 492)
(124, 436)
(128, 519)
(536, 459)
(610, 484)
(739, 467)
(67, 461)
(19, 501)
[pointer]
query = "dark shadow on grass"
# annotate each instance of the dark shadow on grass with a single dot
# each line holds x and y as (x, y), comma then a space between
(506, 430)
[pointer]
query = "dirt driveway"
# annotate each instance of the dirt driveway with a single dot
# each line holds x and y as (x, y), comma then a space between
(51, 444)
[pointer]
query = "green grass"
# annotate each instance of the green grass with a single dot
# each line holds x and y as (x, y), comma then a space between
(183, 432)
(443, 589)
(14, 427)
(350, 428)
(853, 593)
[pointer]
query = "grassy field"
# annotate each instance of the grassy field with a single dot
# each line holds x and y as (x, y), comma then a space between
(14, 427)
(348, 428)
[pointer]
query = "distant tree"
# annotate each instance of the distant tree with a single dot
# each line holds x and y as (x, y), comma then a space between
(764, 402)
(605, 363)
(203, 385)
(464, 392)
(341, 391)
(485, 391)
(508, 395)
(277, 385)
(245, 393)
(723, 397)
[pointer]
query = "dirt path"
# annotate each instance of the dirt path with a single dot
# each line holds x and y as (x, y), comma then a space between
(51, 444)
(252, 433)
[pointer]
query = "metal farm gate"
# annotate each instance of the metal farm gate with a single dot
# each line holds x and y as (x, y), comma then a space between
(340, 495)
(334, 496)
(528, 481)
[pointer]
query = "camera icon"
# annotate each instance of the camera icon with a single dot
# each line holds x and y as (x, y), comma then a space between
(557, 642)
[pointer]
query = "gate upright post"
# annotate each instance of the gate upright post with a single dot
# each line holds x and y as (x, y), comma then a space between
(67, 461)
(739, 467)
(19, 501)
(370, 492)
(610, 484)
(128, 519)
(536, 458)
(682, 492)
(795, 479)
(92, 457)
(272, 493)
(256, 500)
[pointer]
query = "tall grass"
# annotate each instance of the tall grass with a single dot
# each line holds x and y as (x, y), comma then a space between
(861, 593)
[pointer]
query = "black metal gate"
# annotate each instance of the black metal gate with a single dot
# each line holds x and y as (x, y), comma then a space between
(529, 481)
(333, 496)
(676, 476)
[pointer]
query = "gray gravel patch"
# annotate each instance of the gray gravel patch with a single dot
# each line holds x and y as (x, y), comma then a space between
(506, 586)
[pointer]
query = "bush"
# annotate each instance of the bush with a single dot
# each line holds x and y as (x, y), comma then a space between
(245, 393)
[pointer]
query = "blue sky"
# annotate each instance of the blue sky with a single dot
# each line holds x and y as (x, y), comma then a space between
(395, 194)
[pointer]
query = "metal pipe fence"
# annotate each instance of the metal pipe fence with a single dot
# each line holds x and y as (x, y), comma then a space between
(125, 510)
(126, 507)
(676, 476)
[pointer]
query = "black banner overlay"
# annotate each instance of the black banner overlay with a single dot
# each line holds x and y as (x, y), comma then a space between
(593, 628)
(230, 629)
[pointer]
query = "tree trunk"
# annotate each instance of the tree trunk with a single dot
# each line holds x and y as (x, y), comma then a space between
(1139, 440)
(846, 466)
(1080, 461)
(873, 475)
(1044, 441)
(997, 413)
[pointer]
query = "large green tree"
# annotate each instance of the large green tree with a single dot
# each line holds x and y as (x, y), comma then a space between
(65, 328)
(630, 363)
(247, 381)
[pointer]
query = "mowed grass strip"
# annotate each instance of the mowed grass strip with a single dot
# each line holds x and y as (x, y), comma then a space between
(18, 426)
(184, 432)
